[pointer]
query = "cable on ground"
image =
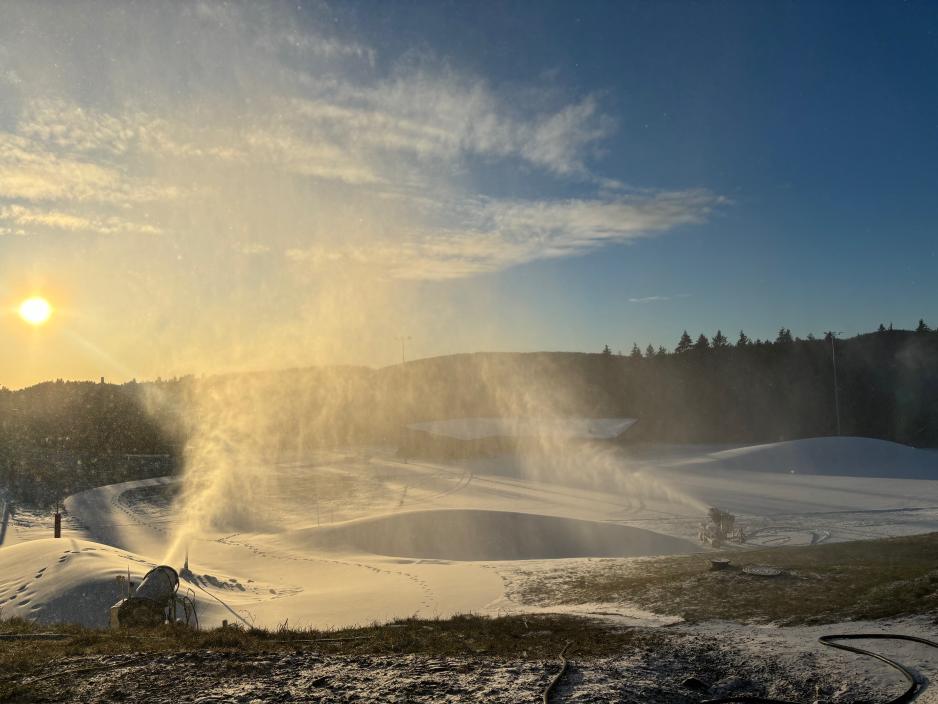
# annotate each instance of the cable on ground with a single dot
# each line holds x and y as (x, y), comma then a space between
(556, 678)
(831, 640)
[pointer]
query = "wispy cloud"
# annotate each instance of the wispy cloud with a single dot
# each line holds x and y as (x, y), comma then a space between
(274, 136)
(492, 235)
(656, 299)
(25, 218)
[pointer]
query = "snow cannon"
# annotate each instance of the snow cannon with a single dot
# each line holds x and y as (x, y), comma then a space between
(151, 604)
(720, 529)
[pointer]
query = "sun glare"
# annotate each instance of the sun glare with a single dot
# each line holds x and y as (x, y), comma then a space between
(35, 311)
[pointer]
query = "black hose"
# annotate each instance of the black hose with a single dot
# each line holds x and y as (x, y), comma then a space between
(556, 678)
(907, 696)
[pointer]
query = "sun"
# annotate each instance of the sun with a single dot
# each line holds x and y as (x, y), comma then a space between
(35, 310)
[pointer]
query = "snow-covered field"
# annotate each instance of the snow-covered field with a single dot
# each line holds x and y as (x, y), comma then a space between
(362, 536)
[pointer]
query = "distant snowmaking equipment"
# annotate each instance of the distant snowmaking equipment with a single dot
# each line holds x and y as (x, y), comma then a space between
(155, 602)
(720, 528)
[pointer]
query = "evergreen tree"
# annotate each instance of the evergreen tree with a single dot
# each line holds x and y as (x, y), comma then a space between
(811, 337)
(649, 352)
(719, 340)
(743, 340)
(662, 352)
(922, 327)
(881, 328)
(784, 337)
(635, 353)
(607, 351)
(684, 344)
(702, 343)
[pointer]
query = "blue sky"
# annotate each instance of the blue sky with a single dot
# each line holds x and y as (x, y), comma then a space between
(205, 186)
(818, 120)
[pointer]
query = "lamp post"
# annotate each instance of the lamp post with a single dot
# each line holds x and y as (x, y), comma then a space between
(401, 442)
(402, 339)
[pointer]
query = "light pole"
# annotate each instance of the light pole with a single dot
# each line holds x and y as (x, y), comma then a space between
(402, 339)
(403, 432)
(833, 335)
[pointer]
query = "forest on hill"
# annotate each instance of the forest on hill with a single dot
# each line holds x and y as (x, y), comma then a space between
(60, 437)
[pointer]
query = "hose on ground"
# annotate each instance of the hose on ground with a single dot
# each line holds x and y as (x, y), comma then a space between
(556, 678)
(831, 640)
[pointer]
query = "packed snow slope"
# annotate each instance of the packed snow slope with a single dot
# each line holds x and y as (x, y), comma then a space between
(849, 457)
(460, 534)
(363, 536)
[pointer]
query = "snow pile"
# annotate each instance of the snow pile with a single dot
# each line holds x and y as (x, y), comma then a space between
(51, 580)
(490, 535)
(833, 456)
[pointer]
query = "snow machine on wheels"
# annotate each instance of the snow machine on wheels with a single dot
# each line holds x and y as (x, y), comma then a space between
(154, 602)
(719, 529)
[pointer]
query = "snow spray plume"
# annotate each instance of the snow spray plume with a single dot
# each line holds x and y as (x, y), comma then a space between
(553, 387)
(244, 187)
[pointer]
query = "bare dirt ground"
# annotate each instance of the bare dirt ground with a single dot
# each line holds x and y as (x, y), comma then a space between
(650, 671)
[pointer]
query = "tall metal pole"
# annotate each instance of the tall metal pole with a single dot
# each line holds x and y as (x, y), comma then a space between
(402, 339)
(402, 443)
(834, 365)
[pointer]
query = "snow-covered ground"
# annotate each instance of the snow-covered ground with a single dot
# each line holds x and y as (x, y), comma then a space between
(356, 537)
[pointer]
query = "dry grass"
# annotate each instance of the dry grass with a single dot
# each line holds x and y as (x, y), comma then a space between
(530, 637)
(820, 584)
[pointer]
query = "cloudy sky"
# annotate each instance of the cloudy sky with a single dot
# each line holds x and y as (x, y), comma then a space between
(207, 186)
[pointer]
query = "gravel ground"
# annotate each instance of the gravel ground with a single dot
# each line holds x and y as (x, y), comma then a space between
(655, 675)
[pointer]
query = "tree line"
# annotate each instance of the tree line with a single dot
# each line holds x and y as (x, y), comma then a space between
(60, 437)
(720, 341)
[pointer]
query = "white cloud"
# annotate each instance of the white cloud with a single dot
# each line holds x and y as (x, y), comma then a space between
(250, 248)
(494, 235)
(24, 220)
(656, 299)
(269, 136)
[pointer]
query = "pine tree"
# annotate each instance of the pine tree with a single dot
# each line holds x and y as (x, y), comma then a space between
(649, 352)
(743, 340)
(662, 352)
(719, 340)
(922, 327)
(635, 353)
(881, 328)
(684, 344)
(784, 337)
(811, 337)
(702, 343)
(607, 351)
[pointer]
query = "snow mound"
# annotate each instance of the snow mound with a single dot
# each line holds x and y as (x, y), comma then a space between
(460, 534)
(75, 581)
(838, 456)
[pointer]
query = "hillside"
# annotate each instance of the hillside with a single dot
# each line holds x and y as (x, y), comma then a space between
(74, 435)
